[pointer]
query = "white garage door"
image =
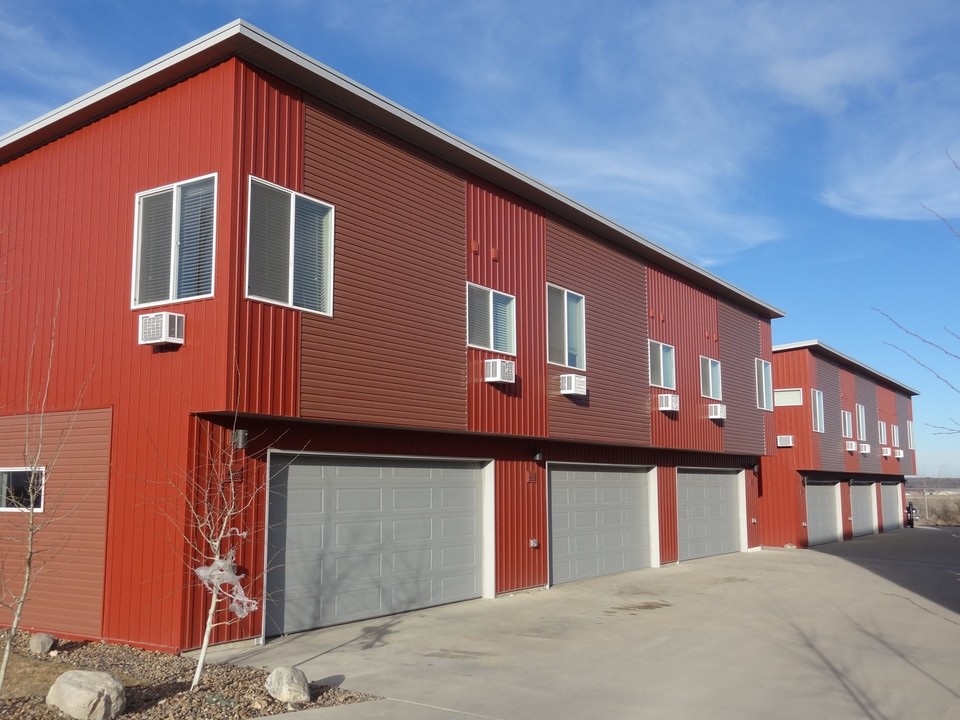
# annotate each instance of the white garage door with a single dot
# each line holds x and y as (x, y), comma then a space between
(599, 521)
(823, 513)
(709, 513)
(357, 538)
(863, 508)
(892, 510)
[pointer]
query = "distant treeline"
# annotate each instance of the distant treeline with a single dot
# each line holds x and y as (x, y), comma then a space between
(934, 483)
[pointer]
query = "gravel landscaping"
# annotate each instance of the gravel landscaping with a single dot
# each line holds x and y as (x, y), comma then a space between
(157, 685)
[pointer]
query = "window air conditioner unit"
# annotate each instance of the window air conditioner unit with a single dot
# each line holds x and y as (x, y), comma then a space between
(784, 440)
(573, 385)
(851, 446)
(161, 328)
(898, 454)
(864, 448)
(886, 452)
(717, 411)
(499, 371)
(668, 402)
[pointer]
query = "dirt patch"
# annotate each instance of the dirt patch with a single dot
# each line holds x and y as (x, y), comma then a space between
(638, 607)
(157, 685)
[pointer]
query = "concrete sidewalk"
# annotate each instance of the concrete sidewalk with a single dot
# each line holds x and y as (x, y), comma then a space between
(864, 629)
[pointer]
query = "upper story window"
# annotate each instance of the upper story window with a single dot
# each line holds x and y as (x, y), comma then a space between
(710, 386)
(21, 489)
(663, 368)
(910, 434)
(895, 435)
(882, 431)
(788, 397)
(816, 401)
(289, 249)
(491, 319)
(566, 330)
(173, 248)
(846, 423)
(861, 423)
(764, 384)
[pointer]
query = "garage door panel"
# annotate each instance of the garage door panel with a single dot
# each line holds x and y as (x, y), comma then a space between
(891, 502)
(599, 521)
(823, 513)
(399, 535)
(708, 513)
(863, 508)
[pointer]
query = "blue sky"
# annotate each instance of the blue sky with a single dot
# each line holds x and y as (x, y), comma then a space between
(789, 147)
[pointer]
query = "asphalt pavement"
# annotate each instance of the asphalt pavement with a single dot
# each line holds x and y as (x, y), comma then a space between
(868, 628)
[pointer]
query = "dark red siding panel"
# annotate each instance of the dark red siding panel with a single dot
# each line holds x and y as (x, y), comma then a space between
(270, 139)
(887, 412)
(684, 316)
(867, 396)
(848, 402)
(394, 351)
(613, 283)
(769, 418)
(831, 439)
(739, 332)
(506, 251)
(904, 415)
(66, 598)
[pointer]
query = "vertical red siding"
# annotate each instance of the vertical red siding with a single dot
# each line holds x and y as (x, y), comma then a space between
(831, 439)
(867, 396)
(270, 147)
(739, 340)
(506, 251)
(521, 515)
(904, 414)
(887, 412)
(685, 316)
(614, 286)
(394, 351)
(848, 401)
(667, 501)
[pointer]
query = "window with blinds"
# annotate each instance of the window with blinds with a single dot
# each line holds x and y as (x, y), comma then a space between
(491, 319)
(566, 328)
(289, 248)
(174, 242)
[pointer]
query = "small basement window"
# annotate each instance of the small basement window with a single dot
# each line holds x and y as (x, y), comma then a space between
(21, 489)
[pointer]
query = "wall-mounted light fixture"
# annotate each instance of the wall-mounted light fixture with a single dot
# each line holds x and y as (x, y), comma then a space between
(239, 439)
(538, 456)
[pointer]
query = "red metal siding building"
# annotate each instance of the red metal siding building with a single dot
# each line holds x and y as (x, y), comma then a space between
(383, 383)
(830, 467)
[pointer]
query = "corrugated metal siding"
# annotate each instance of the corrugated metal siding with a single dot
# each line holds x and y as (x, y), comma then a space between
(506, 251)
(394, 351)
(267, 343)
(667, 507)
(77, 237)
(846, 506)
(769, 418)
(848, 402)
(867, 396)
(685, 316)
(905, 413)
(66, 598)
(831, 440)
(521, 511)
(739, 333)
(613, 283)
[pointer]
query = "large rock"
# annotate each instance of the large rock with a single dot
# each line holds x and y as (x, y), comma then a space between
(87, 695)
(41, 643)
(289, 685)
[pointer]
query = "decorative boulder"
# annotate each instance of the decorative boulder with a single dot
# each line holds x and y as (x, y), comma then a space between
(87, 695)
(41, 643)
(289, 685)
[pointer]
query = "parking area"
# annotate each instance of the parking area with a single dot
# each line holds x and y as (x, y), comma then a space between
(863, 629)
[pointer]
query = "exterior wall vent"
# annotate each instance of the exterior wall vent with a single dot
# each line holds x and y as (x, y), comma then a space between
(886, 452)
(784, 440)
(898, 454)
(499, 371)
(161, 328)
(864, 448)
(851, 446)
(717, 411)
(668, 402)
(573, 385)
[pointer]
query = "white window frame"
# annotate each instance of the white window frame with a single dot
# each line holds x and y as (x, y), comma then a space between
(710, 375)
(895, 435)
(491, 295)
(882, 432)
(861, 423)
(667, 359)
(177, 190)
(816, 406)
(782, 399)
(764, 369)
(909, 434)
(329, 221)
(846, 423)
(3, 488)
(581, 361)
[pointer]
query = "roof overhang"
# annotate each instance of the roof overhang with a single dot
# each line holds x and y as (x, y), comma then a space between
(825, 351)
(242, 40)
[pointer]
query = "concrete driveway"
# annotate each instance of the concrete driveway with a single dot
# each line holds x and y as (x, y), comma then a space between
(864, 629)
